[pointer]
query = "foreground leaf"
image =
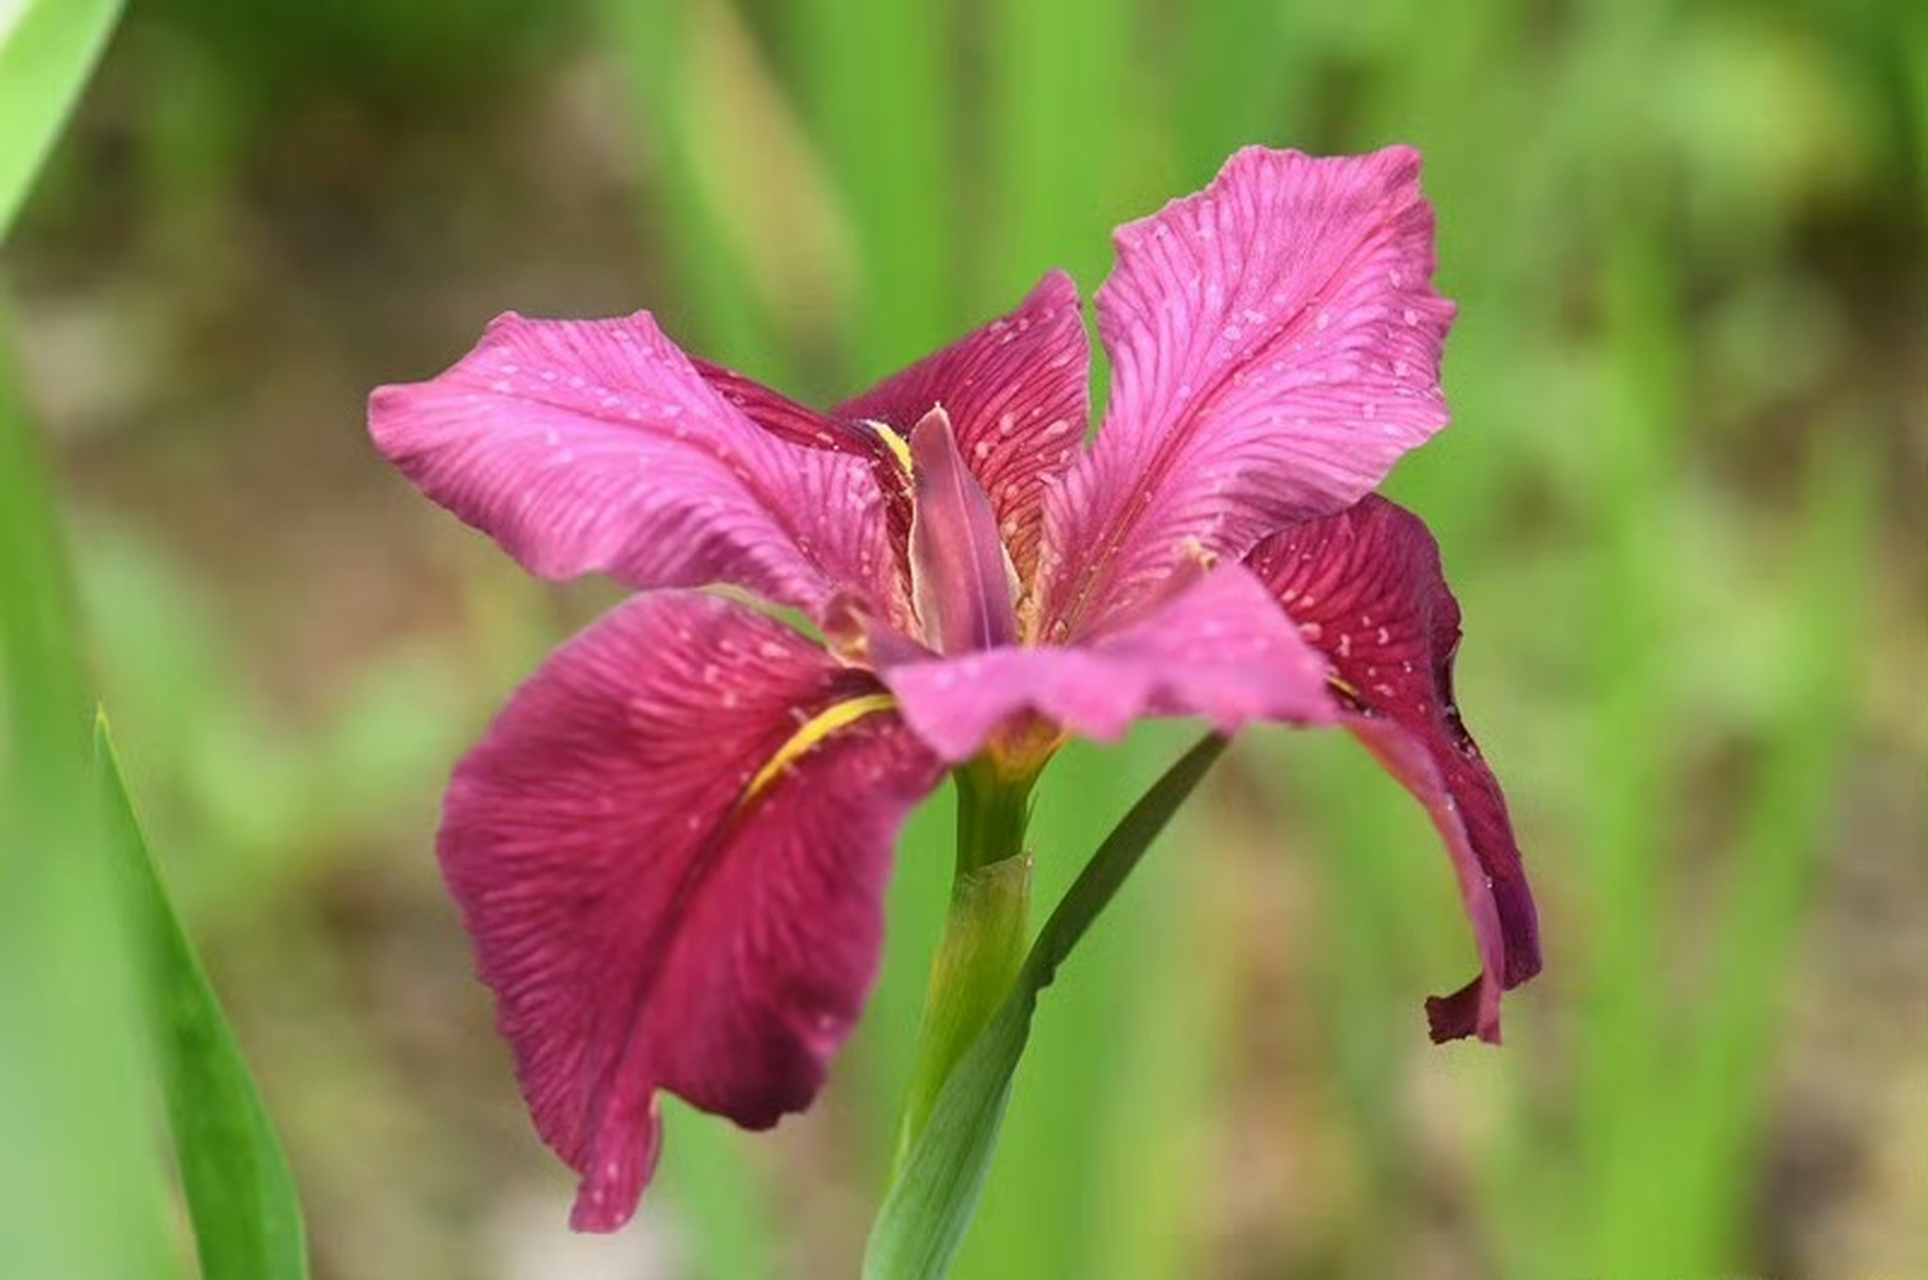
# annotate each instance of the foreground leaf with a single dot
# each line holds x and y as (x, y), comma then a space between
(240, 1195)
(47, 49)
(74, 1116)
(930, 1201)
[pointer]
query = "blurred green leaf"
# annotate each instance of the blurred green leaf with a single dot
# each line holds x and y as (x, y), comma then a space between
(75, 1118)
(247, 1220)
(47, 49)
(882, 92)
(929, 1204)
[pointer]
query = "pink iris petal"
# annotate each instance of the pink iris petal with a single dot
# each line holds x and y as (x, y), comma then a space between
(1018, 393)
(1219, 649)
(1275, 344)
(651, 909)
(1366, 587)
(594, 446)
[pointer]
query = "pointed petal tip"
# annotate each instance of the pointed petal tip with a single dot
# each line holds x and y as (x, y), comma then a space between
(610, 1190)
(1056, 288)
(933, 429)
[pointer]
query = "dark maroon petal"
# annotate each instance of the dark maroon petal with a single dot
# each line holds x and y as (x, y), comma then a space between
(960, 578)
(1017, 392)
(799, 424)
(1366, 587)
(1275, 344)
(671, 884)
(594, 446)
(784, 418)
(1219, 650)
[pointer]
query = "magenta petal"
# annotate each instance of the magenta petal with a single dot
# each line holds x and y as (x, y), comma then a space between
(1366, 587)
(1275, 344)
(1017, 392)
(1219, 649)
(651, 909)
(594, 446)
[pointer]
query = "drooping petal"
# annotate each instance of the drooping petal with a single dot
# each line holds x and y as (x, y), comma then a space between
(961, 578)
(1275, 344)
(1018, 393)
(1366, 587)
(594, 446)
(671, 851)
(1219, 649)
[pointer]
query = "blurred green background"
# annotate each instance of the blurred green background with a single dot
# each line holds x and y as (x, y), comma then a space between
(1682, 504)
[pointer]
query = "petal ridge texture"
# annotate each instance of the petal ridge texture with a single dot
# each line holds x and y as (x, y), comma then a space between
(1275, 344)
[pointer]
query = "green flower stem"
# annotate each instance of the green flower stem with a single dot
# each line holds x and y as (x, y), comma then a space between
(984, 938)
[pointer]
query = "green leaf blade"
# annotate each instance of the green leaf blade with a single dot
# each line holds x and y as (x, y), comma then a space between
(47, 50)
(240, 1193)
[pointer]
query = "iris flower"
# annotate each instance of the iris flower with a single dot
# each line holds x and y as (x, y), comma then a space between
(671, 848)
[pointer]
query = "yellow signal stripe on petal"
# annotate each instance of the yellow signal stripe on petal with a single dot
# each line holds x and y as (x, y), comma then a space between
(898, 446)
(837, 716)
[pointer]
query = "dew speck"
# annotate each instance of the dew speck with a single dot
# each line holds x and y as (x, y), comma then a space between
(1323, 321)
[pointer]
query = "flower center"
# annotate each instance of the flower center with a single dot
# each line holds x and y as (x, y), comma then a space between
(963, 585)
